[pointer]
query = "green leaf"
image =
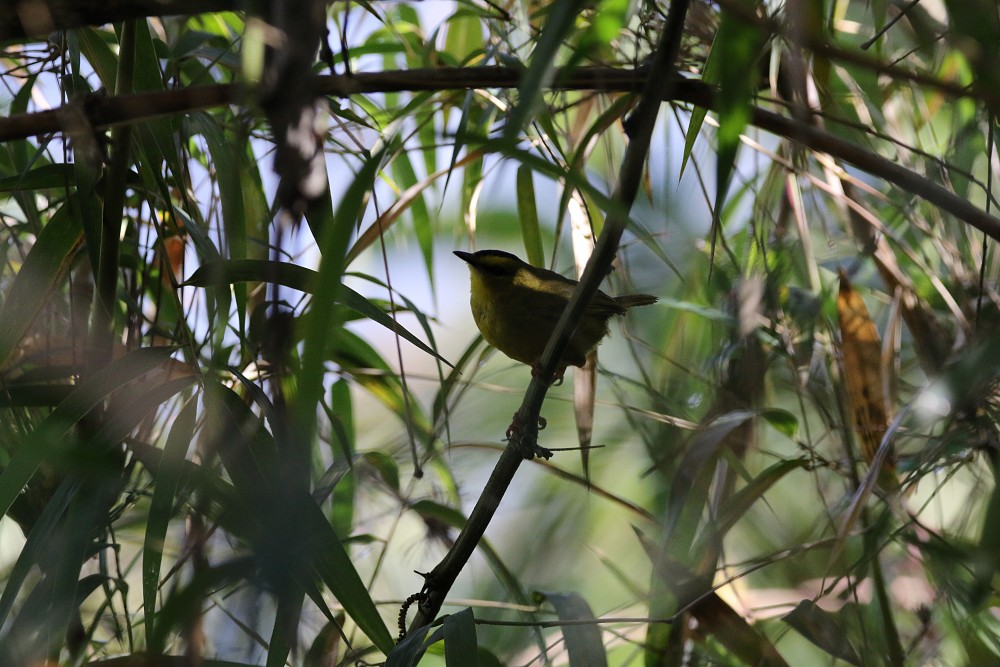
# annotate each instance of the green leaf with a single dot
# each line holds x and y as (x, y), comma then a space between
(287, 617)
(559, 22)
(739, 43)
(44, 177)
(96, 46)
(156, 138)
(339, 479)
(699, 458)
(386, 468)
(740, 502)
(186, 601)
(782, 421)
(460, 643)
(56, 547)
(823, 629)
(402, 169)
(408, 652)
(224, 272)
(333, 233)
(43, 268)
(325, 647)
(606, 22)
(167, 475)
(527, 214)
(583, 641)
(335, 569)
(227, 162)
(464, 36)
(125, 414)
(303, 548)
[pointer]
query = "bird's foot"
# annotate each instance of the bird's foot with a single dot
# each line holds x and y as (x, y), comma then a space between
(527, 439)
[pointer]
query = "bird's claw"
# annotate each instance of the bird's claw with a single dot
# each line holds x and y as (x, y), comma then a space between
(541, 453)
(514, 433)
(557, 379)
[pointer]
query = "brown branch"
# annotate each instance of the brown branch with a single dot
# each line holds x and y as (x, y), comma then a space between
(103, 112)
(21, 19)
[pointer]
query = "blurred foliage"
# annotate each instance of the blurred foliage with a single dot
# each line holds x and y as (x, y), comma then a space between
(234, 430)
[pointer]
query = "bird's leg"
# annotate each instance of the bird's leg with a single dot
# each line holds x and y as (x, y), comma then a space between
(557, 379)
(514, 427)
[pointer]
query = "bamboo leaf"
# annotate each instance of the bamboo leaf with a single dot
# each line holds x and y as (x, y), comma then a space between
(464, 36)
(460, 643)
(225, 272)
(43, 269)
(402, 169)
(782, 421)
(44, 177)
(303, 548)
(822, 629)
(560, 20)
(583, 641)
(739, 43)
(408, 652)
(168, 476)
(44, 440)
(527, 214)
(129, 410)
(741, 501)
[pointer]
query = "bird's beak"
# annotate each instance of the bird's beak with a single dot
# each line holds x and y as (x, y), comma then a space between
(467, 256)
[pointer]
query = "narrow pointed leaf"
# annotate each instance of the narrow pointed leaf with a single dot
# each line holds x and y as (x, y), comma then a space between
(460, 644)
(583, 641)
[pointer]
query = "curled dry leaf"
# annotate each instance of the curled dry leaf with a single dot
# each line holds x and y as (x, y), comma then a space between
(861, 358)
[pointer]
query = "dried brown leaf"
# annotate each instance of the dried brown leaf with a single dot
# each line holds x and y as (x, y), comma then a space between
(861, 363)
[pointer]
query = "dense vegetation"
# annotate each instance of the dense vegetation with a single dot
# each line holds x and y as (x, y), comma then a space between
(244, 405)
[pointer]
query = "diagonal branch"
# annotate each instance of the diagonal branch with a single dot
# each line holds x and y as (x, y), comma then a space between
(657, 87)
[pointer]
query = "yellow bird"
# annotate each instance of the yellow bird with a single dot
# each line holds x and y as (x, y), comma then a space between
(516, 306)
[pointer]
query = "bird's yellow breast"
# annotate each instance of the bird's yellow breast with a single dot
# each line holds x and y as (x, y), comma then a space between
(517, 316)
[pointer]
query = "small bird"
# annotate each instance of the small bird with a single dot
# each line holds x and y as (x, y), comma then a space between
(516, 306)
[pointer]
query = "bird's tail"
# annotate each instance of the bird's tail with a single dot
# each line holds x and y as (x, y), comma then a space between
(632, 300)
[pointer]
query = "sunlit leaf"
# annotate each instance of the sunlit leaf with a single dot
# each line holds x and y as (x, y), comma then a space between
(464, 36)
